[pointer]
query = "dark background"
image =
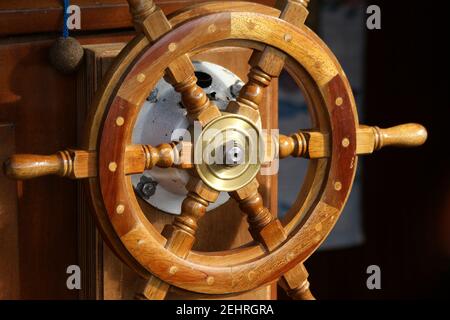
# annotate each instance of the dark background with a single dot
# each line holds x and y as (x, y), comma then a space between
(406, 192)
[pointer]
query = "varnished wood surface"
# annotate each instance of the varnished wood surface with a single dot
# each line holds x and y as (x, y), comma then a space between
(47, 206)
(41, 104)
(268, 230)
(92, 253)
(9, 235)
(149, 19)
(313, 144)
(181, 233)
(267, 64)
(81, 164)
(20, 17)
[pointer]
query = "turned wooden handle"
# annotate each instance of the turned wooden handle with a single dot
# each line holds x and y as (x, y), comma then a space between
(406, 135)
(141, 9)
(315, 144)
(28, 166)
(80, 164)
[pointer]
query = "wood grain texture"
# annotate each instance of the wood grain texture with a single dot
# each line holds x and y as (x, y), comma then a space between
(314, 144)
(9, 236)
(29, 166)
(31, 17)
(141, 9)
(251, 203)
(267, 229)
(181, 233)
(81, 164)
(267, 64)
(92, 253)
(296, 284)
(45, 120)
(47, 206)
(152, 21)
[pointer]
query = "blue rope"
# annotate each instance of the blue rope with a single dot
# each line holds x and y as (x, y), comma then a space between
(65, 18)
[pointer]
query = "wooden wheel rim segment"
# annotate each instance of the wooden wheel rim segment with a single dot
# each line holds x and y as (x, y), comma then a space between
(235, 270)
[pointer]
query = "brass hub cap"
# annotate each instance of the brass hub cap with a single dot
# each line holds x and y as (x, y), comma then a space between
(227, 152)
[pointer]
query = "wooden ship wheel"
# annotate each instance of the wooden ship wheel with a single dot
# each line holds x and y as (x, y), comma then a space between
(162, 48)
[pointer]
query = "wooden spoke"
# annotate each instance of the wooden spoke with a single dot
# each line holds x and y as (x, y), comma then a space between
(309, 144)
(150, 19)
(251, 203)
(181, 233)
(295, 283)
(140, 10)
(268, 230)
(80, 164)
(194, 99)
(314, 144)
(268, 63)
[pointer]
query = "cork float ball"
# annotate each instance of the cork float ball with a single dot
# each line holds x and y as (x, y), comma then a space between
(66, 54)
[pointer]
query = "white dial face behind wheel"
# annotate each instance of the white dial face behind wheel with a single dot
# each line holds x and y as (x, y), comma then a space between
(161, 118)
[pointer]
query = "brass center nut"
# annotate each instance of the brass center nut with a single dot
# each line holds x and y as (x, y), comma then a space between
(227, 152)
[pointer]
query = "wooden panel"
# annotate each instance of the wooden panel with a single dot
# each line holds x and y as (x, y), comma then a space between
(9, 246)
(38, 100)
(220, 229)
(41, 103)
(31, 16)
(93, 255)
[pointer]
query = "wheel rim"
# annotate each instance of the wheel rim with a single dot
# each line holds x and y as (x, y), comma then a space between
(251, 273)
